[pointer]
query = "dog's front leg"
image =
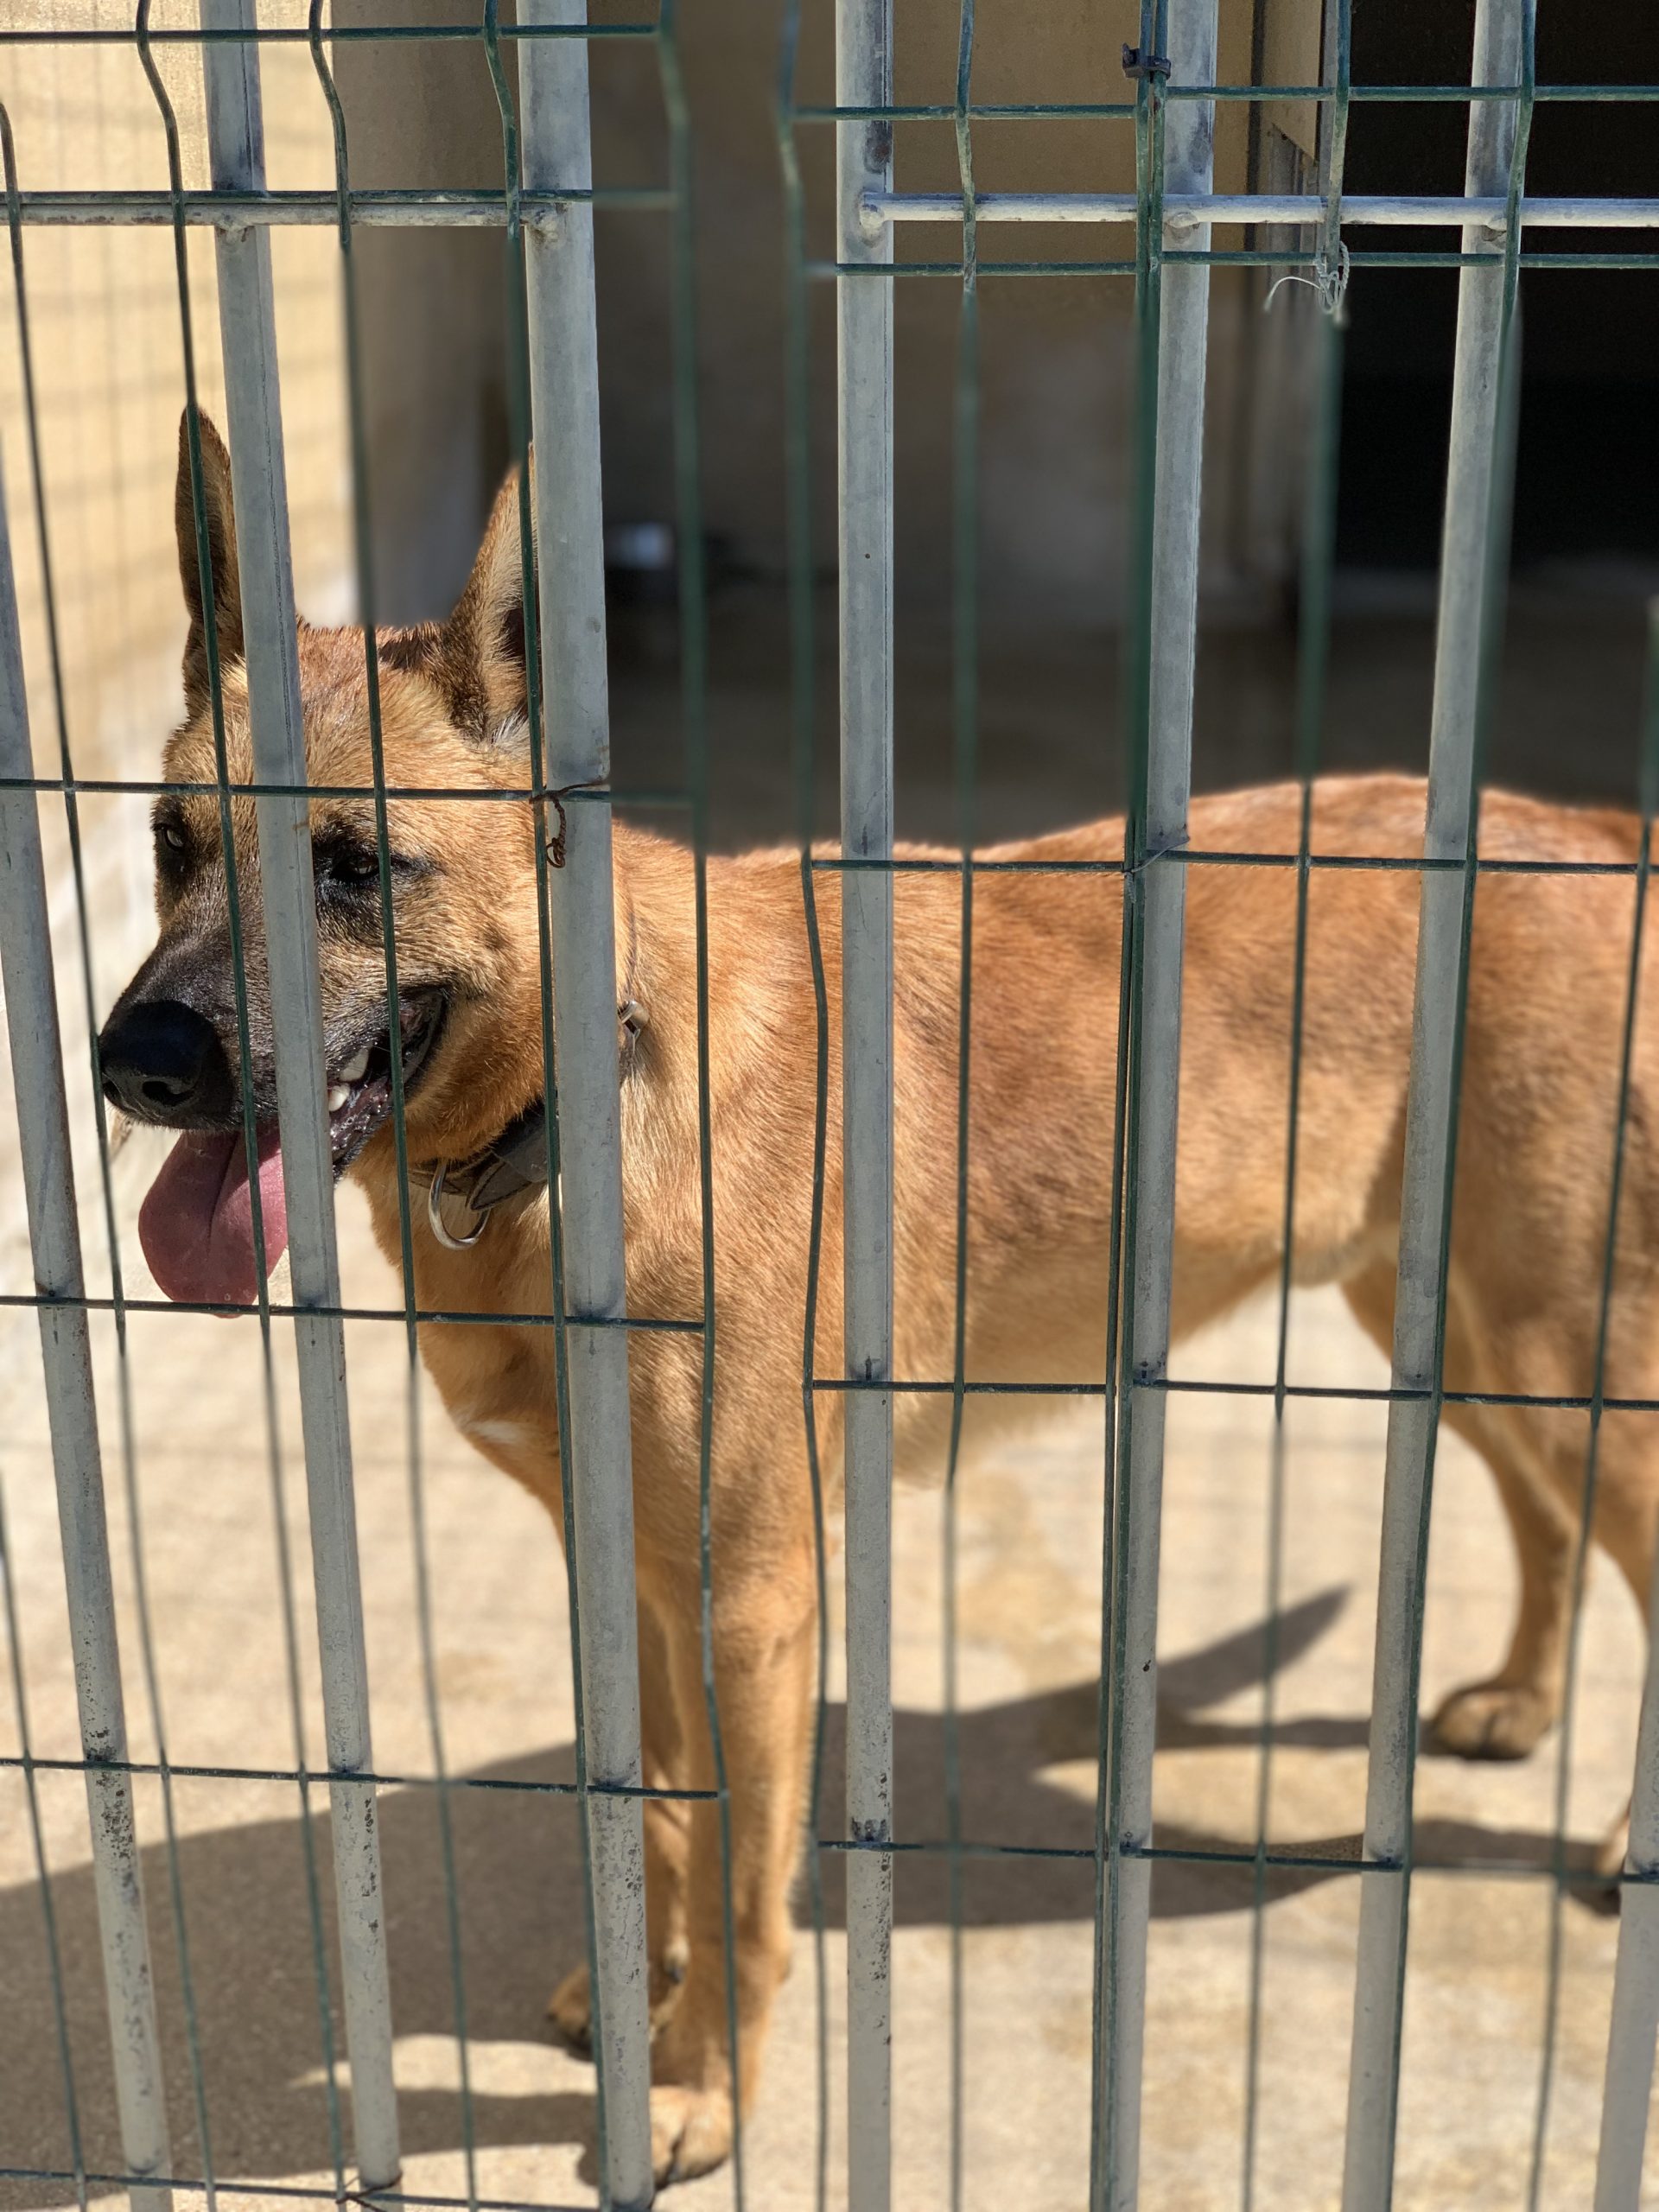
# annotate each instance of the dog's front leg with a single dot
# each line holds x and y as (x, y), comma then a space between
(765, 1655)
(668, 1841)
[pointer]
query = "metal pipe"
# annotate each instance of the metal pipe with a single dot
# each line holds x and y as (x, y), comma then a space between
(864, 421)
(598, 1460)
(1634, 2028)
(72, 1414)
(1474, 471)
(1185, 212)
(1183, 314)
(254, 428)
(320, 210)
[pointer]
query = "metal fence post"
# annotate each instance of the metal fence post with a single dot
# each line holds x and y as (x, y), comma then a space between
(1170, 645)
(569, 549)
(236, 146)
(71, 1414)
(1632, 2031)
(864, 382)
(1474, 468)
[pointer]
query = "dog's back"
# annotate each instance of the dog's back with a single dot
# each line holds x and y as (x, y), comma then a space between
(1549, 974)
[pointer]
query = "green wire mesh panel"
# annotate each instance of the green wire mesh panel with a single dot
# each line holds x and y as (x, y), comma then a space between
(205, 167)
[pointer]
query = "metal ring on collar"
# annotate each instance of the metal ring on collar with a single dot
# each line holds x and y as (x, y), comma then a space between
(434, 1216)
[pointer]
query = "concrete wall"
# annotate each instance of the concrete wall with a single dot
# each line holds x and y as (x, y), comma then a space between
(109, 366)
(1057, 388)
(431, 304)
(108, 354)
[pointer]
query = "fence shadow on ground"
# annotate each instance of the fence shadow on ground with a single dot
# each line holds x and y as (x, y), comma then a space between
(518, 1879)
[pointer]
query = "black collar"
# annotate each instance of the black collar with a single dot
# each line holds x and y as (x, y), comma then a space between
(510, 1165)
(515, 1161)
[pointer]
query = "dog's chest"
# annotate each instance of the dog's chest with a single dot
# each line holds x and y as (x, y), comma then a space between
(498, 1381)
(500, 1391)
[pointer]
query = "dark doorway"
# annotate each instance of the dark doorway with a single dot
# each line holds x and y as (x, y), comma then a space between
(1587, 468)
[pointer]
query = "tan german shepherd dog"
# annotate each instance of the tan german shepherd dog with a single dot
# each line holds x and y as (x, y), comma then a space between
(1547, 998)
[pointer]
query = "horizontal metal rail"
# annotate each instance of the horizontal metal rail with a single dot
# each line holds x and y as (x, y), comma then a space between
(468, 794)
(1333, 1861)
(1110, 110)
(389, 209)
(1191, 211)
(487, 210)
(448, 1317)
(1481, 256)
(31, 1762)
(287, 2192)
(257, 34)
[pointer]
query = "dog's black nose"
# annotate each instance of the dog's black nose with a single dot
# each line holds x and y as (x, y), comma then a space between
(163, 1062)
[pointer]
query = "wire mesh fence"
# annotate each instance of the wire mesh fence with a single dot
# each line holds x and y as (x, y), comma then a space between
(541, 583)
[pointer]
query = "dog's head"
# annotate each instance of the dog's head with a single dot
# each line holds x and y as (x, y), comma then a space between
(466, 1021)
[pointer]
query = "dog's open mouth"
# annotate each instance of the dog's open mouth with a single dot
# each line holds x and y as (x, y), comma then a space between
(360, 1090)
(197, 1224)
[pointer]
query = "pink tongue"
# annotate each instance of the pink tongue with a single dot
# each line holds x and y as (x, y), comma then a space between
(196, 1226)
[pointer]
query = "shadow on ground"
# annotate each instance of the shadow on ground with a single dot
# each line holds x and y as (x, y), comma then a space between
(518, 1880)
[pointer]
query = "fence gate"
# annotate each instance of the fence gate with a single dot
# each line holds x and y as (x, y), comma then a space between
(1157, 240)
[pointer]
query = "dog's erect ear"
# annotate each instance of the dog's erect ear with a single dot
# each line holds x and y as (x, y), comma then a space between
(481, 663)
(220, 514)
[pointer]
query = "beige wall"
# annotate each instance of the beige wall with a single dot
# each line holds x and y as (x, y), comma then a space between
(1056, 387)
(431, 304)
(104, 324)
(108, 367)
(1057, 382)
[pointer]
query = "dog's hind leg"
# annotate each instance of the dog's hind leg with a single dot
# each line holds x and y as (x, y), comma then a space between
(667, 1824)
(1625, 1520)
(1504, 1715)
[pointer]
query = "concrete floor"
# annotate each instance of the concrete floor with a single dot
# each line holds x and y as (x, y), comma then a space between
(1030, 1537)
(1482, 1927)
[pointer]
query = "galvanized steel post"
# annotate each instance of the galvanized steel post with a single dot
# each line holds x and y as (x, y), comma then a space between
(254, 429)
(1475, 463)
(71, 1415)
(1184, 313)
(864, 378)
(1634, 2028)
(570, 566)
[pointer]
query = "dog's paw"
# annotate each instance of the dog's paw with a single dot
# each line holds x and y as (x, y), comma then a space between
(690, 2131)
(570, 2008)
(1493, 1720)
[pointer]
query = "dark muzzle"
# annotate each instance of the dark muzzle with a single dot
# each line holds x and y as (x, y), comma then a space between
(162, 1061)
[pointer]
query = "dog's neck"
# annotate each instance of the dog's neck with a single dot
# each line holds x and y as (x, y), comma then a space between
(503, 1160)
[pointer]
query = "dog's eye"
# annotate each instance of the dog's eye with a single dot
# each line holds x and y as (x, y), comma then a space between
(350, 867)
(169, 835)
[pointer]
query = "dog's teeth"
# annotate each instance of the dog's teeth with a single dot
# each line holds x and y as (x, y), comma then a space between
(356, 1068)
(340, 1094)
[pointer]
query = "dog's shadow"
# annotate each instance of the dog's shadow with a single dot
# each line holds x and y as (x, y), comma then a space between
(517, 1867)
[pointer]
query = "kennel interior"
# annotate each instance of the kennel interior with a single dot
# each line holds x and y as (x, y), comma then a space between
(1187, 423)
